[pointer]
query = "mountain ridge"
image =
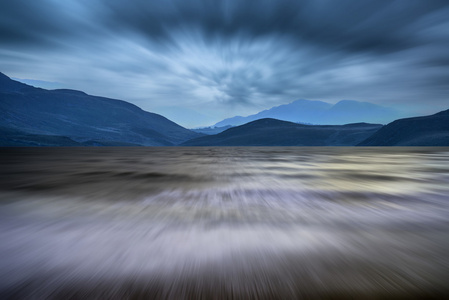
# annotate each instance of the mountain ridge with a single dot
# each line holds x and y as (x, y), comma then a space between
(320, 113)
(432, 130)
(31, 116)
(273, 132)
(81, 117)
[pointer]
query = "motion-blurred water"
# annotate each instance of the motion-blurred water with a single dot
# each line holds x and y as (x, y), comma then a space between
(218, 223)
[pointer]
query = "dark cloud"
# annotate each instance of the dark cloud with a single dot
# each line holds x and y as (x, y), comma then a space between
(380, 25)
(33, 23)
(232, 57)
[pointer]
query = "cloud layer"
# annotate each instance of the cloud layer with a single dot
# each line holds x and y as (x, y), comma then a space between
(199, 61)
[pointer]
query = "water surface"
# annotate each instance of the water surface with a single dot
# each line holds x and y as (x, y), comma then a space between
(242, 223)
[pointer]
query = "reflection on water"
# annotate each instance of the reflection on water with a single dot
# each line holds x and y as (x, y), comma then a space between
(218, 223)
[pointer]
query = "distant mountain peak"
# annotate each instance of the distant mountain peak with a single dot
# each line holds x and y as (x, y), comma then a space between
(320, 112)
(354, 103)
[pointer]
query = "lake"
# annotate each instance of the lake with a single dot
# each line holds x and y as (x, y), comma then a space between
(222, 223)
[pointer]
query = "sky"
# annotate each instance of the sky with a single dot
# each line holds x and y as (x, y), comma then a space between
(200, 61)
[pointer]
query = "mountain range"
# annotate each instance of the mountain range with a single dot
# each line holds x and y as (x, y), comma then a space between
(272, 132)
(320, 113)
(430, 130)
(32, 116)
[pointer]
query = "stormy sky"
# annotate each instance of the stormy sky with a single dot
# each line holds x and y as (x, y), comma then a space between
(199, 61)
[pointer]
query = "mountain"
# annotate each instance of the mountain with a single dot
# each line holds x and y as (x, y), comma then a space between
(319, 112)
(350, 111)
(272, 132)
(299, 110)
(32, 116)
(211, 130)
(419, 131)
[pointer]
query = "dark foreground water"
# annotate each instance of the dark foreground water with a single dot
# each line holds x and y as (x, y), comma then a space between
(224, 223)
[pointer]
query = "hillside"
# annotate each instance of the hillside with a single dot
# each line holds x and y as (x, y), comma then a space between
(32, 116)
(271, 132)
(419, 131)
